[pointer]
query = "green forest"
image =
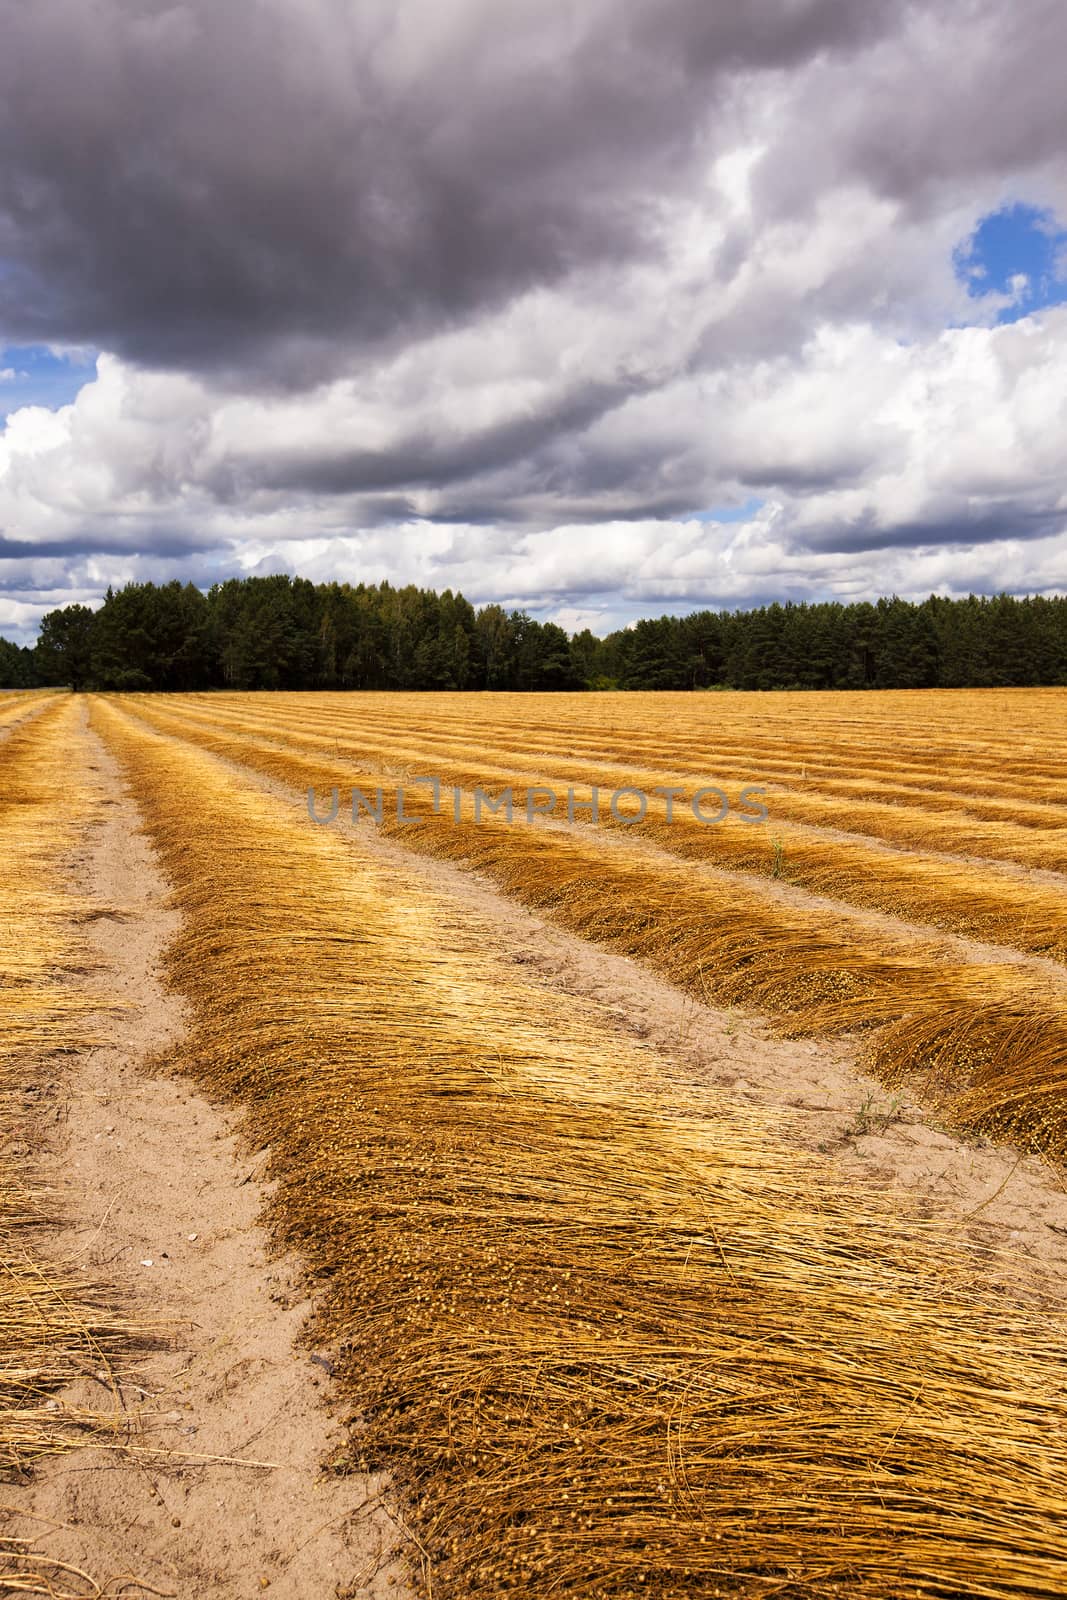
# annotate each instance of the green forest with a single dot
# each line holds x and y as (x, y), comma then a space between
(288, 633)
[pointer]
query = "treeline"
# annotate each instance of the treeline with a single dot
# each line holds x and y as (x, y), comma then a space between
(977, 643)
(288, 633)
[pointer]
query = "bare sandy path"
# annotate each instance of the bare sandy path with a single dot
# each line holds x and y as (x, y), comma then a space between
(1016, 1203)
(159, 1198)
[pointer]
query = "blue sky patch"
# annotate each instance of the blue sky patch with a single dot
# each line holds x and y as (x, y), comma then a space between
(1019, 250)
(33, 375)
(726, 513)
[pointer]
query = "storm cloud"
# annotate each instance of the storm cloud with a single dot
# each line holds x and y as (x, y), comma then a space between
(423, 291)
(230, 186)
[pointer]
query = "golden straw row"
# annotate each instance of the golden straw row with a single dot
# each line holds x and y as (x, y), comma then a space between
(955, 833)
(649, 735)
(986, 1042)
(21, 703)
(1039, 804)
(608, 1343)
(956, 896)
(684, 730)
(1019, 737)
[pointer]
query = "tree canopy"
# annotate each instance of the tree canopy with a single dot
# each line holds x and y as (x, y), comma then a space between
(288, 633)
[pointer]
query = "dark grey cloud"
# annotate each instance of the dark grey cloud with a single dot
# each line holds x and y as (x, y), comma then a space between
(304, 236)
(965, 91)
(518, 510)
(429, 458)
(268, 183)
(957, 526)
(108, 540)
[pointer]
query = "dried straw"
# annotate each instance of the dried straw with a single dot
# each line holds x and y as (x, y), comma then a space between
(609, 1343)
(985, 1042)
(1003, 797)
(961, 896)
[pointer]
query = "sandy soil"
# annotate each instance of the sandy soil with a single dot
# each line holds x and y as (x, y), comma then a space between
(160, 1198)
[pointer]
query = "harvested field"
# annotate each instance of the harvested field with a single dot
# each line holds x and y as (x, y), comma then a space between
(959, 894)
(605, 1330)
(985, 1040)
(1010, 806)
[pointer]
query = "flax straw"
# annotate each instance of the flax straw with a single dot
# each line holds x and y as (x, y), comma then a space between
(986, 1042)
(960, 896)
(1001, 799)
(607, 1342)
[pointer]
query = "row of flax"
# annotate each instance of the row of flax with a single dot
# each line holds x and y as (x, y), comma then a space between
(994, 807)
(55, 1324)
(985, 1041)
(20, 704)
(992, 746)
(977, 899)
(608, 1341)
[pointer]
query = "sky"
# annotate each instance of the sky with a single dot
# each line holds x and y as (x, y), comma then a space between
(600, 308)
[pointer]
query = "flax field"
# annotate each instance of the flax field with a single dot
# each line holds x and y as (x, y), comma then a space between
(609, 1333)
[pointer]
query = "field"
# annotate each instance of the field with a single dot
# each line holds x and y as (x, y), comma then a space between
(680, 1203)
